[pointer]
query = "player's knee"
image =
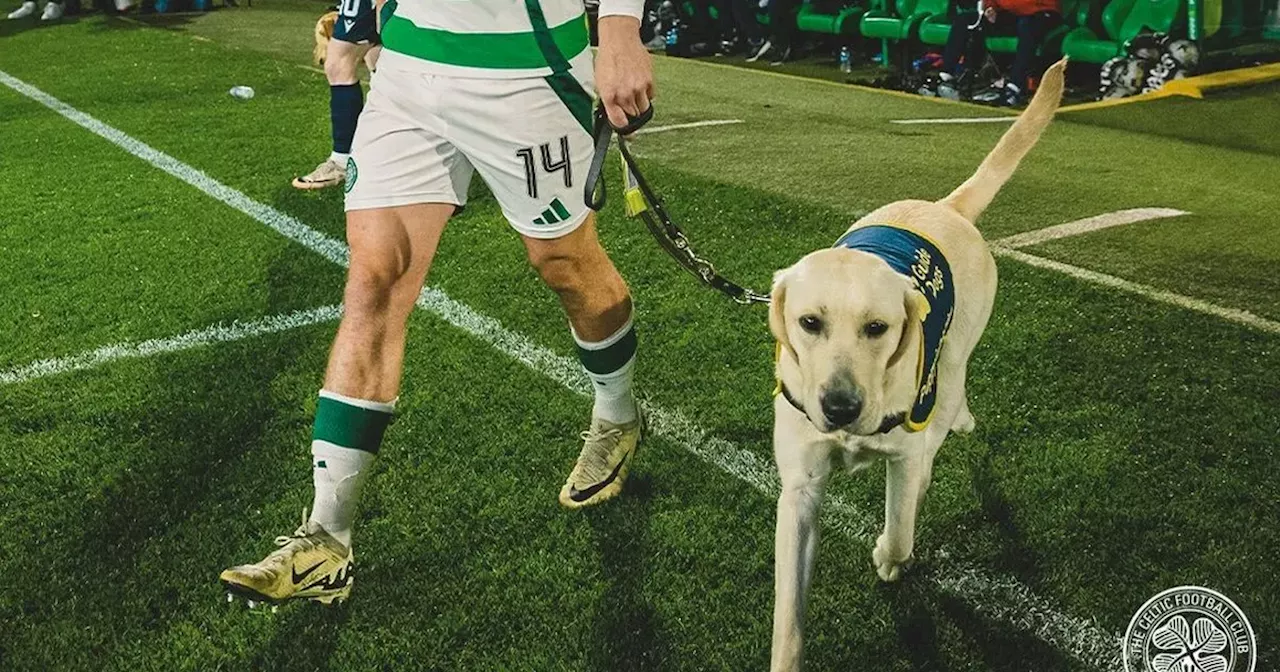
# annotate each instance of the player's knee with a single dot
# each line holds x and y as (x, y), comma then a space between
(370, 289)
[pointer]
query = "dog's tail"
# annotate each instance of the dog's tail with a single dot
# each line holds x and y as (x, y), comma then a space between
(972, 197)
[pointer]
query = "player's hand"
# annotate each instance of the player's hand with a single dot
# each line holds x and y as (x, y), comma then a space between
(624, 69)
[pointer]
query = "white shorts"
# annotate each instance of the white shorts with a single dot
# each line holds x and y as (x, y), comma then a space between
(421, 136)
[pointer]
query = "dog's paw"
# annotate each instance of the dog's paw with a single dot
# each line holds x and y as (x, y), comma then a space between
(964, 422)
(889, 566)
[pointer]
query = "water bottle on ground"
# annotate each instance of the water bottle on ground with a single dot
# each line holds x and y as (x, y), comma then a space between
(846, 60)
(241, 92)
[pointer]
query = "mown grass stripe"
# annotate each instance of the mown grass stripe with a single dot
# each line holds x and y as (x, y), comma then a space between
(1079, 638)
(218, 333)
(291, 228)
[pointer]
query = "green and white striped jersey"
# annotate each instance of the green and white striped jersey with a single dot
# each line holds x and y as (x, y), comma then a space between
(504, 39)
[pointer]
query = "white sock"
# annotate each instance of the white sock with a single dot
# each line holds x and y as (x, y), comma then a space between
(615, 401)
(339, 158)
(339, 472)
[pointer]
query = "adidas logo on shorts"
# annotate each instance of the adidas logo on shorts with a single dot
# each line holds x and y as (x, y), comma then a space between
(554, 214)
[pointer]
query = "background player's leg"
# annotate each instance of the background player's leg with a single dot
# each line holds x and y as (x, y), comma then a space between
(346, 100)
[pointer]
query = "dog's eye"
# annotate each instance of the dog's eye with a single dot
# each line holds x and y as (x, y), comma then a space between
(811, 323)
(875, 328)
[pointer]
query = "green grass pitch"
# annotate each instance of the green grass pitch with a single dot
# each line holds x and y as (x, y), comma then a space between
(1124, 445)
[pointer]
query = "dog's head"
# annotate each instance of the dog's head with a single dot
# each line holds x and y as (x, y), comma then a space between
(850, 333)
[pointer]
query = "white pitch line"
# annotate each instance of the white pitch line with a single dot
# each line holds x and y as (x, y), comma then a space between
(1172, 298)
(958, 120)
(692, 124)
(1023, 609)
(218, 333)
(1008, 600)
(1087, 225)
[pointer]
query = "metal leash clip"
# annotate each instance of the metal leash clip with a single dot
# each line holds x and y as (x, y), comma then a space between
(641, 201)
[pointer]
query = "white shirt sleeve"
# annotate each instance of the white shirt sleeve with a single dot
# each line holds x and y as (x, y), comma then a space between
(632, 8)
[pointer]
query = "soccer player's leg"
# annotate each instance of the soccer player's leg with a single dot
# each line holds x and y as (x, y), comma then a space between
(528, 139)
(598, 304)
(354, 37)
(404, 184)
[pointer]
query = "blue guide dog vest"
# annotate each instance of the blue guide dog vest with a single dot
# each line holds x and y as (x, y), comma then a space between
(918, 258)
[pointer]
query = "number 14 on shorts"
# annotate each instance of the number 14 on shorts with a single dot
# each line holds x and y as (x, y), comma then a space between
(549, 165)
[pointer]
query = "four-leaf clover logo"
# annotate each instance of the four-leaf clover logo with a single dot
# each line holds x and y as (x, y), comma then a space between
(1189, 649)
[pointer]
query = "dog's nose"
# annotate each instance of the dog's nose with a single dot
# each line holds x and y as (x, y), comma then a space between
(841, 407)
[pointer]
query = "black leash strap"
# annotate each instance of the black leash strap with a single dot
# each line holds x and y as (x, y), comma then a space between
(643, 202)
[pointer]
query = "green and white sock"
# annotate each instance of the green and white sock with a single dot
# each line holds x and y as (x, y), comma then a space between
(344, 445)
(611, 364)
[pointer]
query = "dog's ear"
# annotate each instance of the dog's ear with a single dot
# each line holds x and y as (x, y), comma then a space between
(777, 309)
(917, 307)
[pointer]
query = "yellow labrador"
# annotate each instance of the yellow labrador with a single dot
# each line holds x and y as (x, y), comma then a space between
(874, 335)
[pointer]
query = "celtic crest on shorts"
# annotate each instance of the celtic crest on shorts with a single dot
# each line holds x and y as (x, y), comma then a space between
(352, 173)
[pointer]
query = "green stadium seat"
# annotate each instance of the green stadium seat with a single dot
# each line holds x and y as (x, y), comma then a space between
(1122, 20)
(903, 23)
(844, 22)
(935, 29)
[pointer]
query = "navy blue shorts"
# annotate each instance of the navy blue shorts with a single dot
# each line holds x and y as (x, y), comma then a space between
(356, 22)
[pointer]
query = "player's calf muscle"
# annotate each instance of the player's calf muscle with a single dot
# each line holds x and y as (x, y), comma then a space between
(593, 294)
(366, 357)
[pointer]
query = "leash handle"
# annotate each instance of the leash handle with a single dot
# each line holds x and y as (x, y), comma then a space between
(633, 123)
(594, 192)
(651, 210)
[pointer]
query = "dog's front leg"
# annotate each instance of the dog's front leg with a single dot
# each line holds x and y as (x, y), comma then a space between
(804, 465)
(904, 480)
(795, 543)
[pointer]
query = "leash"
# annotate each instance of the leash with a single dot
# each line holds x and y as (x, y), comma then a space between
(641, 201)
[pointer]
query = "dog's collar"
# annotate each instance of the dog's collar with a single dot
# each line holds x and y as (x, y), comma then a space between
(887, 425)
